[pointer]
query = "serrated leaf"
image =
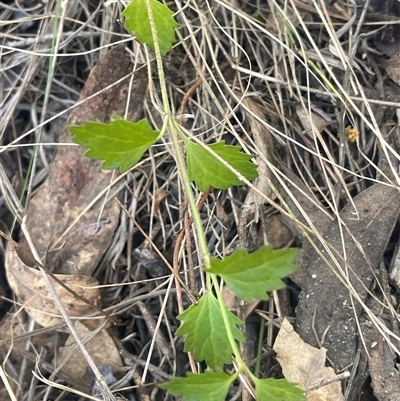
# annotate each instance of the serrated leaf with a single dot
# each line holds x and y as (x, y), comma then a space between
(209, 386)
(120, 143)
(277, 390)
(252, 275)
(206, 333)
(206, 170)
(137, 21)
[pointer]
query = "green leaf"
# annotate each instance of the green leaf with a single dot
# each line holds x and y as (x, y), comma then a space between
(206, 333)
(137, 21)
(120, 144)
(209, 386)
(207, 171)
(252, 275)
(278, 390)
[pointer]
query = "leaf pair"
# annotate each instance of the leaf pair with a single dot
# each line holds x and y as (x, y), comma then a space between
(214, 386)
(249, 276)
(121, 144)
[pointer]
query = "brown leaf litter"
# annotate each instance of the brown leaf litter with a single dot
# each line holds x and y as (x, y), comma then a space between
(67, 233)
(71, 218)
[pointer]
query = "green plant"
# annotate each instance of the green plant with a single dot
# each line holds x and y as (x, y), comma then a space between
(211, 330)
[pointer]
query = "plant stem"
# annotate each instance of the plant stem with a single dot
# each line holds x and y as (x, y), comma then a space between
(224, 311)
(175, 133)
(188, 188)
(160, 69)
(173, 130)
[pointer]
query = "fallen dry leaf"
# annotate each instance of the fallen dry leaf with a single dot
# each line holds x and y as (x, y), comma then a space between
(70, 227)
(392, 67)
(305, 365)
(34, 294)
(159, 196)
(101, 348)
(317, 121)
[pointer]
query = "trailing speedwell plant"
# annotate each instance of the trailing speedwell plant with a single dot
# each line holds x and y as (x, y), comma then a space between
(210, 329)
